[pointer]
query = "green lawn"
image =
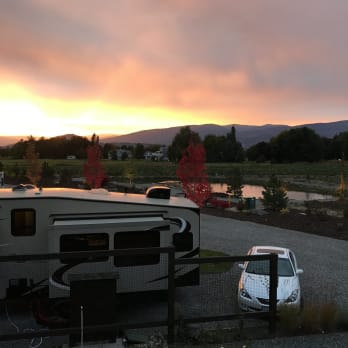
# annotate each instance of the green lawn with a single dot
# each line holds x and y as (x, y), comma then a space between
(219, 267)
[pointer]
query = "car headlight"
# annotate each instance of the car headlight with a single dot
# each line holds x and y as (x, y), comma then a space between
(292, 297)
(244, 293)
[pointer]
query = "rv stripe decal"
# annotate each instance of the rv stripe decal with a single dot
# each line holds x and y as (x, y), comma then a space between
(57, 276)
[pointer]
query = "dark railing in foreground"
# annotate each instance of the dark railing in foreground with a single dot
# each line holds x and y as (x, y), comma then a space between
(171, 322)
(271, 314)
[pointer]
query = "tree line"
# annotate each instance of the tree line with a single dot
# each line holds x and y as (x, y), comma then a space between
(299, 145)
(294, 145)
(61, 147)
(217, 148)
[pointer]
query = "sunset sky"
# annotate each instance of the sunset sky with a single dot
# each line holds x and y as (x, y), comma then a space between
(119, 66)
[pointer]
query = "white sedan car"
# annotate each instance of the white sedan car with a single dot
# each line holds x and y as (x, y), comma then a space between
(253, 289)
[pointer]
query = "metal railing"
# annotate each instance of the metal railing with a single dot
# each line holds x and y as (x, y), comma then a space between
(171, 321)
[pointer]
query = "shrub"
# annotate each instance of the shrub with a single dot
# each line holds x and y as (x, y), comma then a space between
(240, 205)
(342, 318)
(323, 317)
(328, 317)
(310, 319)
(274, 194)
(345, 209)
(289, 320)
(234, 181)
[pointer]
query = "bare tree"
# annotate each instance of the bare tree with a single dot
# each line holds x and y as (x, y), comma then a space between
(33, 170)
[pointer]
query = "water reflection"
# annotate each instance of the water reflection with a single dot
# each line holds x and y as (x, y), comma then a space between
(256, 191)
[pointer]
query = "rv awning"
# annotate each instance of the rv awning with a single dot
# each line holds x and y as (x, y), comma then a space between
(117, 220)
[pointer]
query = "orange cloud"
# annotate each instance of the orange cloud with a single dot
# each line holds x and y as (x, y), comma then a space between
(150, 63)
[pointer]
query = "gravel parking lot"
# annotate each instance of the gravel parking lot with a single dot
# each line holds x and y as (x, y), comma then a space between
(325, 278)
(324, 260)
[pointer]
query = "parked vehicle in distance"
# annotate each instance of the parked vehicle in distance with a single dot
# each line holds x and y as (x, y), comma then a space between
(218, 200)
(253, 289)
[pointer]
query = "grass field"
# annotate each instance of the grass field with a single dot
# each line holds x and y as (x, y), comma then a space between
(139, 171)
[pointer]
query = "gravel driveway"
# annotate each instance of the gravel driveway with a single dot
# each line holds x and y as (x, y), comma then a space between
(325, 277)
(324, 260)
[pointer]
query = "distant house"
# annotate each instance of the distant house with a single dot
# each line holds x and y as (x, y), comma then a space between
(120, 154)
(148, 155)
(160, 155)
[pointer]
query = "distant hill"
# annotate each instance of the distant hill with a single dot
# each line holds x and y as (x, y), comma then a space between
(10, 140)
(247, 135)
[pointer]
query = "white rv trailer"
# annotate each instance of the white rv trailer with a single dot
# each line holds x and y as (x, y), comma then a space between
(55, 220)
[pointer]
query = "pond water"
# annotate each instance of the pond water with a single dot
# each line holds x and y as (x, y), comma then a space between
(256, 191)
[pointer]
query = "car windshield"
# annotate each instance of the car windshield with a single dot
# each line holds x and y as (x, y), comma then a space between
(262, 267)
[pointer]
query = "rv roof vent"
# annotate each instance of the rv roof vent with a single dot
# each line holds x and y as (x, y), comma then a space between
(161, 192)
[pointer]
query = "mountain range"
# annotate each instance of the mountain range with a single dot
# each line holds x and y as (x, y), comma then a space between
(246, 135)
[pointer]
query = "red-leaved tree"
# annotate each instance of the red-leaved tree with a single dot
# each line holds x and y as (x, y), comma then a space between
(93, 169)
(192, 173)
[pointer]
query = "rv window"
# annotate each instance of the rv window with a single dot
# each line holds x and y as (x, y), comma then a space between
(84, 242)
(137, 239)
(23, 222)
